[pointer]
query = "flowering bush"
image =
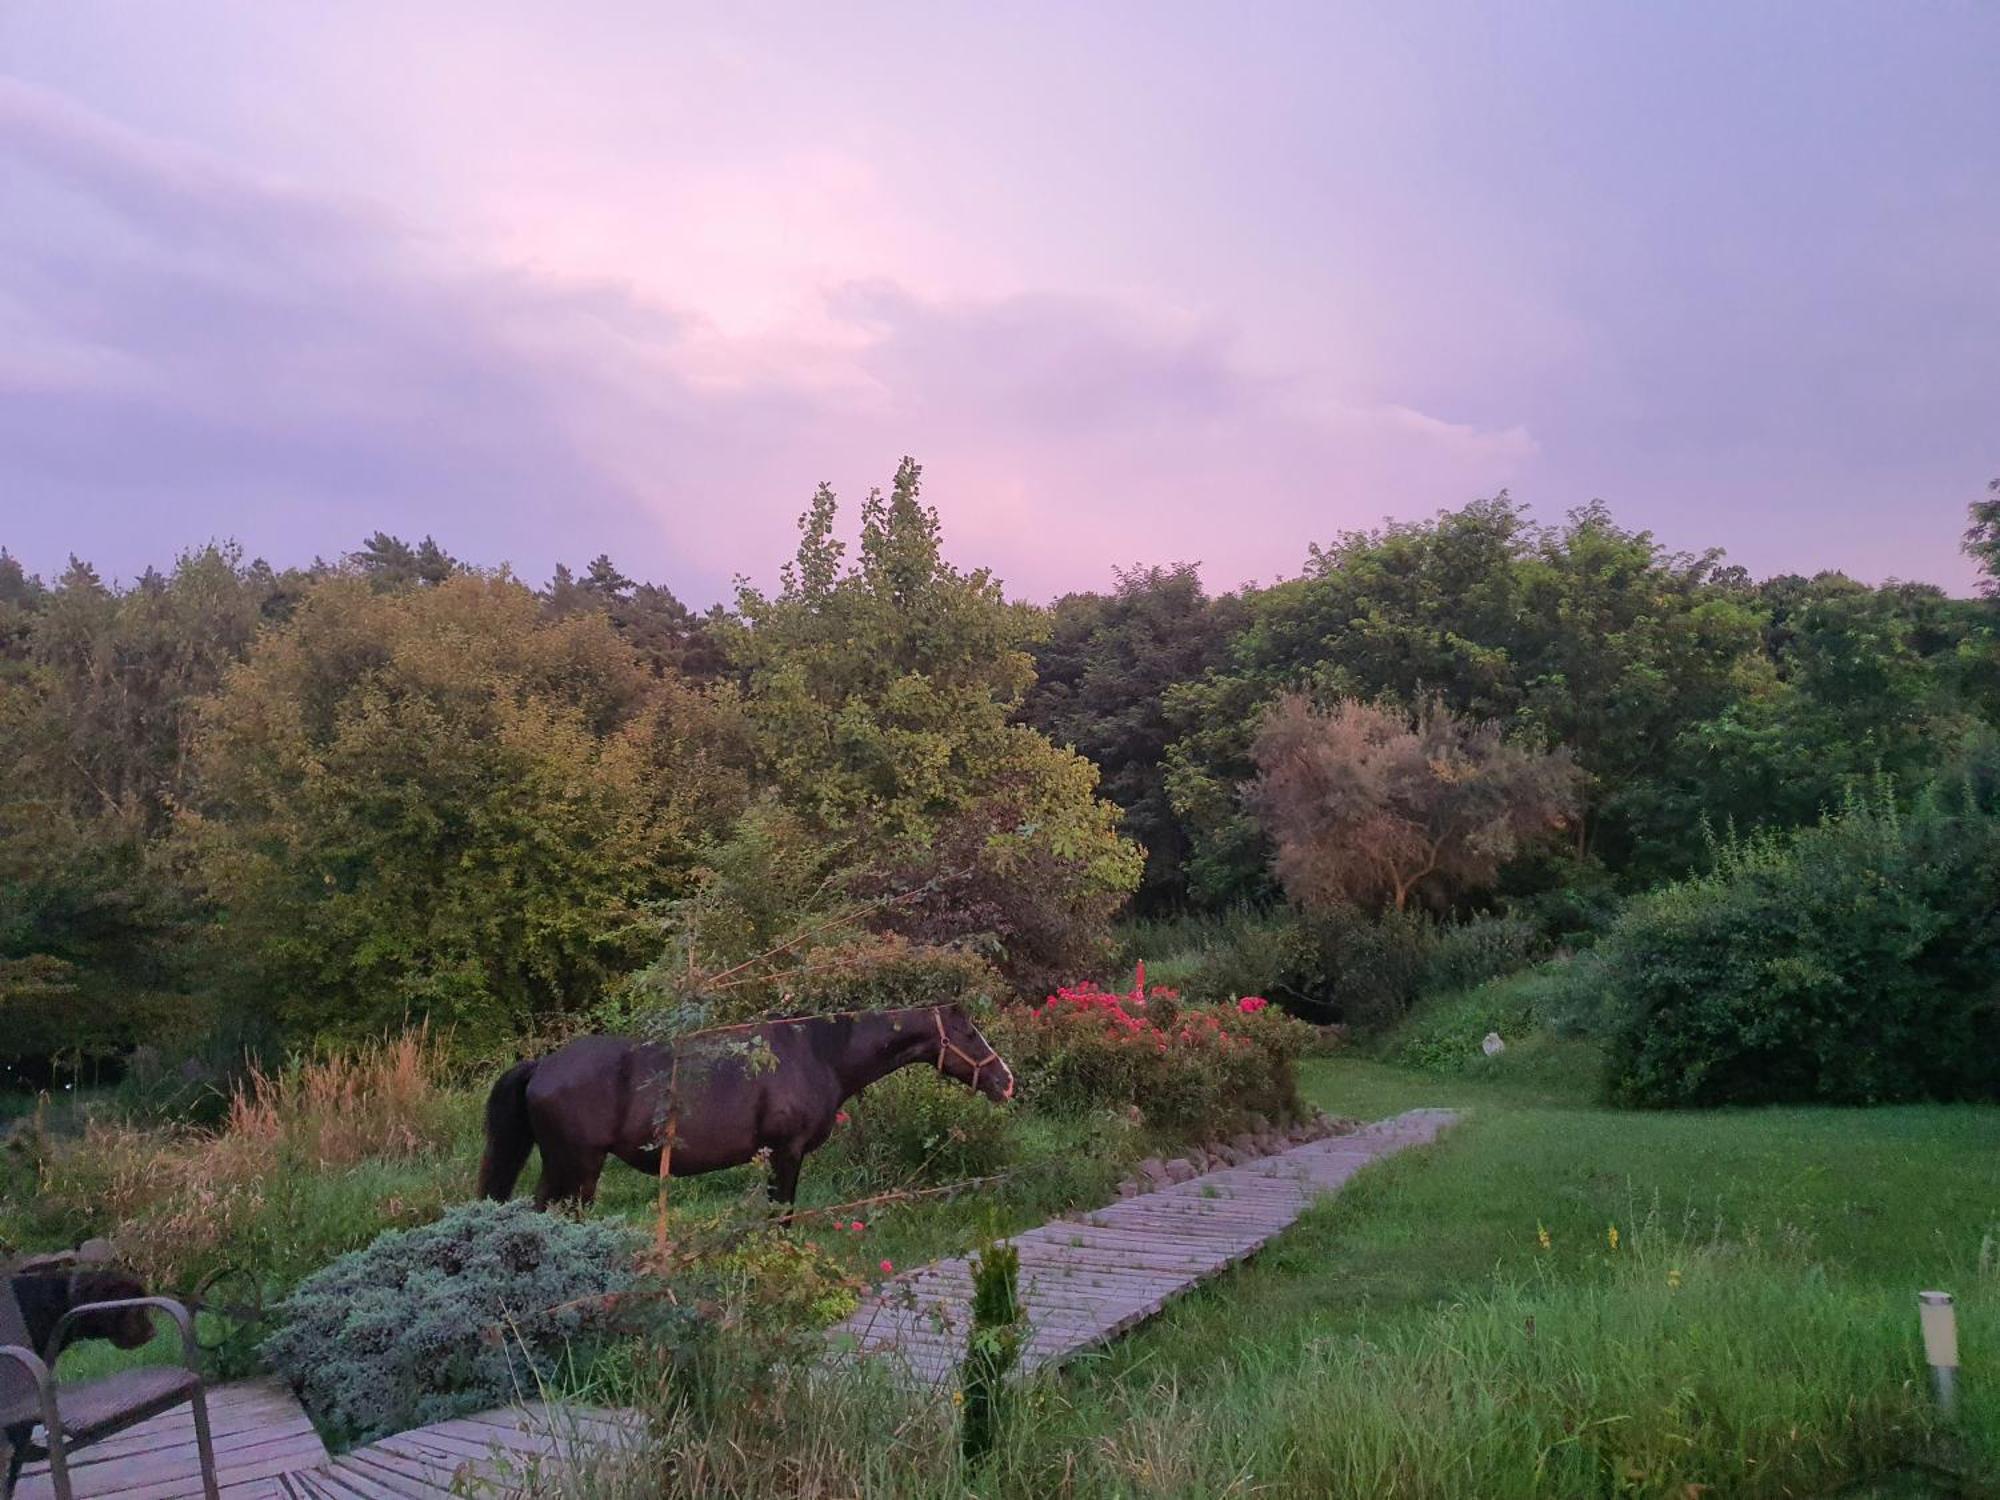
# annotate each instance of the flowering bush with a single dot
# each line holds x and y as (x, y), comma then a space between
(1186, 1066)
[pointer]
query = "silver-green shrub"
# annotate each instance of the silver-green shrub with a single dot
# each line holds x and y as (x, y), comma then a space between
(467, 1313)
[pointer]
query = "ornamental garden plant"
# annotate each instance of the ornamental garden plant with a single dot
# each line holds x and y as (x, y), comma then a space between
(1185, 1066)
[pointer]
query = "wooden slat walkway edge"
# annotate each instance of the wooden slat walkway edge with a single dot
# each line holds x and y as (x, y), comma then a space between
(266, 1449)
(1087, 1278)
(1084, 1279)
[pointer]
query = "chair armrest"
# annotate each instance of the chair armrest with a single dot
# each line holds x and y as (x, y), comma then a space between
(175, 1310)
(45, 1385)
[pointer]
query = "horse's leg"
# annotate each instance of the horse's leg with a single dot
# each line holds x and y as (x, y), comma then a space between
(569, 1174)
(785, 1163)
(592, 1168)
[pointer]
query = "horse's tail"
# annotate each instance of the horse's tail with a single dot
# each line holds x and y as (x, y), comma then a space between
(509, 1134)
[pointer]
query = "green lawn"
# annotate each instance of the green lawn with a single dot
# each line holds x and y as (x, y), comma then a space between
(1761, 1303)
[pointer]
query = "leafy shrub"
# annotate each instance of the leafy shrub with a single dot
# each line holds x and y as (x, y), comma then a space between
(1363, 971)
(770, 929)
(1186, 1066)
(454, 1317)
(916, 1126)
(1444, 1034)
(1214, 957)
(1569, 901)
(1464, 954)
(1853, 963)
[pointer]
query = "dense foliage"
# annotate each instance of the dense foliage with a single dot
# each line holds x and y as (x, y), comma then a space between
(438, 803)
(1183, 1066)
(1680, 687)
(1101, 679)
(458, 1316)
(251, 805)
(1853, 963)
(883, 696)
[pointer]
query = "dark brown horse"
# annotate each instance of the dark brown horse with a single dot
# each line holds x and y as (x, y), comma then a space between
(720, 1096)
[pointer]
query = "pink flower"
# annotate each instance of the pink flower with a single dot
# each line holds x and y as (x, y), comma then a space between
(1250, 1004)
(840, 1117)
(857, 1226)
(888, 1269)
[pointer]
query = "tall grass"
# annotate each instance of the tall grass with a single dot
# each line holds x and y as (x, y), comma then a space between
(386, 1101)
(1679, 1364)
(300, 1168)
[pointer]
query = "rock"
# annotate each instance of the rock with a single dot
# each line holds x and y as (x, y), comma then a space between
(1232, 1157)
(1129, 1189)
(1246, 1144)
(1270, 1142)
(1152, 1173)
(1493, 1046)
(1180, 1169)
(1259, 1125)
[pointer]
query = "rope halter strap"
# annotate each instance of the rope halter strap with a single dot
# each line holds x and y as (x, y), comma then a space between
(948, 1048)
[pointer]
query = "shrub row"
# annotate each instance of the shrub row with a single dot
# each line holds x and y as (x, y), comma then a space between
(1853, 963)
(1183, 1065)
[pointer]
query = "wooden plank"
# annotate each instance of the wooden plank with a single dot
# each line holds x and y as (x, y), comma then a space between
(1141, 1244)
(1084, 1280)
(1063, 1238)
(1059, 1291)
(399, 1475)
(1176, 1228)
(366, 1482)
(260, 1433)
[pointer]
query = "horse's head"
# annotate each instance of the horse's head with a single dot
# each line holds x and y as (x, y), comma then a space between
(966, 1055)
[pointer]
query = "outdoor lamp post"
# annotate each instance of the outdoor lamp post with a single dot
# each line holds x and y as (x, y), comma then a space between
(1940, 1324)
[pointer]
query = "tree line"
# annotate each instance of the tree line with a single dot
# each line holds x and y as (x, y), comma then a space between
(321, 800)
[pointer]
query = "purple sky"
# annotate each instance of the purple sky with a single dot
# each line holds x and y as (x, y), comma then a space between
(1135, 282)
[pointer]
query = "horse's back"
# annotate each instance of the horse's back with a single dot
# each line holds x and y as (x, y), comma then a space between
(585, 1088)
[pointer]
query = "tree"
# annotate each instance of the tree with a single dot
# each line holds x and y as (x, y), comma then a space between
(883, 695)
(1101, 683)
(439, 803)
(388, 562)
(96, 725)
(1367, 804)
(667, 634)
(1982, 539)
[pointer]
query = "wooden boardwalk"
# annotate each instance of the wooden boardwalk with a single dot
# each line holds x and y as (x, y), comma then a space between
(1090, 1277)
(266, 1449)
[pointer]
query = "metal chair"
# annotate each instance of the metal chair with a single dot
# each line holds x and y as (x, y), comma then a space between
(76, 1414)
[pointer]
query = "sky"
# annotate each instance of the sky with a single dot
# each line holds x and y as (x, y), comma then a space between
(1136, 283)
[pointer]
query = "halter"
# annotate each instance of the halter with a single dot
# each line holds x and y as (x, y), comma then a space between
(948, 1048)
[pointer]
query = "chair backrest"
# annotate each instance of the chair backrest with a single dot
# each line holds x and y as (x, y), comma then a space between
(16, 1384)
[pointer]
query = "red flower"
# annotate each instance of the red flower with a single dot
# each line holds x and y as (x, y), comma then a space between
(888, 1269)
(840, 1117)
(1250, 1004)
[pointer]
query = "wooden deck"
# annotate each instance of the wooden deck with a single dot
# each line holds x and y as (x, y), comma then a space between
(1090, 1277)
(266, 1449)
(261, 1434)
